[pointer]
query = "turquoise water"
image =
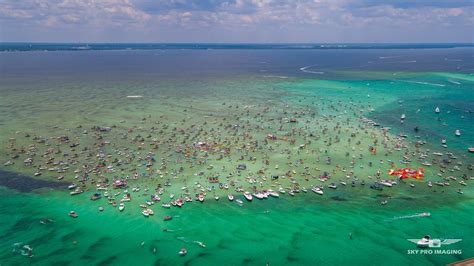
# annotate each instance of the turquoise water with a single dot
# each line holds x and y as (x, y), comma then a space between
(51, 94)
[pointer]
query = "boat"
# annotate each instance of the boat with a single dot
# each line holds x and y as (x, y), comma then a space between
(230, 197)
(182, 252)
(72, 186)
(317, 190)
(76, 191)
(462, 182)
(167, 218)
(239, 201)
(343, 183)
(248, 196)
(73, 214)
(291, 193)
(258, 195)
(150, 211)
(470, 149)
(457, 133)
(386, 183)
(332, 185)
(201, 197)
(121, 207)
(96, 196)
(430, 184)
(412, 185)
(166, 205)
(273, 194)
(403, 116)
(216, 197)
(146, 213)
(437, 110)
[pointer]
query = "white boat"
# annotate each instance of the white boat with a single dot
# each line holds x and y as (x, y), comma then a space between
(273, 194)
(343, 183)
(182, 252)
(239, 201)
(437, 110)
(150, 211)
(76, 191)
(248, 196)
(430, 184)
(146, 213)
(332, 185)
(457, 132)
(403, 116)
(386, 183)
(72, 186)
(317, 190)
(258, 195)
(166, 205)
(121, 207)
(230, 197)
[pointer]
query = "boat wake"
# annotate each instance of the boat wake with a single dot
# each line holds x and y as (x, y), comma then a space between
(423, 214)
(305, 70)
(454, 82)
(274, 76)
(422, 83)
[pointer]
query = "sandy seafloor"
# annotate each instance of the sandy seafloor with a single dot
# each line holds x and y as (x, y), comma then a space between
(234, 98)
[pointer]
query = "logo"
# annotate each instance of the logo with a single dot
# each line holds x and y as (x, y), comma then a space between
(428, 242)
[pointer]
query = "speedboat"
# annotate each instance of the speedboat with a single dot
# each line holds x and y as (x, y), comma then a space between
(343, 183)
(258, 195)
(273, 193)
(121, 207)
(72, 186)
(201, 197)
(76, 191)
(386, 183)
(332, 185)
(166, 205)
(73, 214)
(430, 184)
(146, 213)
(317, 190)
(437, 110)
(183, 252)
(150, 211)
(96, 196)
(230, 197)
(457, 132)
(248, 196)
(239, 201)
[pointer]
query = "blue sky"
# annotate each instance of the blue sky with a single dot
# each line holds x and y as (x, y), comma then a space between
(267, 21)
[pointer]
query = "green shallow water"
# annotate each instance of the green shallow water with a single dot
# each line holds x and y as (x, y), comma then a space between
(303, 230)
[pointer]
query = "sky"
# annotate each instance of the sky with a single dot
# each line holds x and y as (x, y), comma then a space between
(237, 21)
